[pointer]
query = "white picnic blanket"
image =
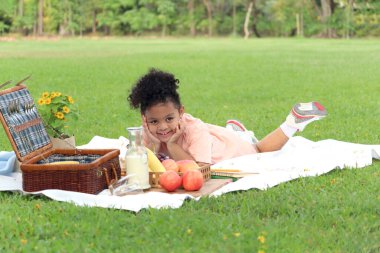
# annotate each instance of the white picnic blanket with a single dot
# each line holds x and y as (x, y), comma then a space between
(299, 158)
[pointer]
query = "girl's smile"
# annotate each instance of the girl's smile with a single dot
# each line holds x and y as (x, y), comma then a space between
(163, 119)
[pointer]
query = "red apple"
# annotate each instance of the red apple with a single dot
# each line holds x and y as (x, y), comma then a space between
(192, 180)
(170, 164)
(185, 165)
(170, 180)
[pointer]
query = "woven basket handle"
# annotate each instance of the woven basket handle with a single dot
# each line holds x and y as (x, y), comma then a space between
(114, 171)
(108, 181)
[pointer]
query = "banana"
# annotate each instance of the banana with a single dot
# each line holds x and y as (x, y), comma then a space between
(153, 163)
(65, 162)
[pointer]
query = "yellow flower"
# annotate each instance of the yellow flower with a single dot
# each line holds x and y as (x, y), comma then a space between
(54, 108)
(237, 234)
(41, 101)
(71, 100)
(66, 109)
(261, 239)
(261, 251)
(59, 115)
(55, 94)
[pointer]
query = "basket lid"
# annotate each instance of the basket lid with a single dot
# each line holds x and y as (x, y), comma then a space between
(22, 123)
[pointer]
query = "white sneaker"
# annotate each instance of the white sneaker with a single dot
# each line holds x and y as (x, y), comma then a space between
(305, 113)
(241, 130)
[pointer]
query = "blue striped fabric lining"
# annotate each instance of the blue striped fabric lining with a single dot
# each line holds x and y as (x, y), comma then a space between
(32, 138)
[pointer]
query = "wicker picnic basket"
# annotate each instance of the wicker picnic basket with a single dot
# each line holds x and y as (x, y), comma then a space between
(86, 170)
(155, 176)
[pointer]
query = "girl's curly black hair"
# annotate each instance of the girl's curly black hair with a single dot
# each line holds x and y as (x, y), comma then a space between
(153, 88)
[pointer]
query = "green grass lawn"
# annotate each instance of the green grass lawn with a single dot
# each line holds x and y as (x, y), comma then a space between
(255, 81)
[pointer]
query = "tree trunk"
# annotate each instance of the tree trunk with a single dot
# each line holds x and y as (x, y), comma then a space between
(62, 29)
(207, 3)
(327, 10)
(94, 21)
(190, 6)
(299, 24)
(246, 21)
(70, 20)
(40, 22)
(164, 28)
(21, 8)
(107, 30)
(348, 18)
(35, 28)
(234, 17)
(20, 14)
(255, 14)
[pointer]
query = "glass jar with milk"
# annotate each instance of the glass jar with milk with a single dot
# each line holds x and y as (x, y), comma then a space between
(136, 159)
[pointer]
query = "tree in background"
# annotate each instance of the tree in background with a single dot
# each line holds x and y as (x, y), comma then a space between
(208, 6)
(190, 6)
(324, 18)
(19, 18)
(6, 11)
(363, 18)
(40, 18)
(93, 8)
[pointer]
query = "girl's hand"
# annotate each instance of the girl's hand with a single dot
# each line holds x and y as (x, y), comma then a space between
(175, 151)
(156, 142)
(178, 132)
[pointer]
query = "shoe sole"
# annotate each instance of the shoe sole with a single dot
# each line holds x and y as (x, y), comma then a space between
(238, 124)
(319, 112)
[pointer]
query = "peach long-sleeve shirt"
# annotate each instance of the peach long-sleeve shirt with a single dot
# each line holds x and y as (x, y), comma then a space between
(209, 143)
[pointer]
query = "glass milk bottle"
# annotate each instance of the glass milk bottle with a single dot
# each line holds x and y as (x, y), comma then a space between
(136, 159)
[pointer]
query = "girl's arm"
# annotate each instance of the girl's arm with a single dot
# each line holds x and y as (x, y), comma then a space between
(176, 152)
(200, 148)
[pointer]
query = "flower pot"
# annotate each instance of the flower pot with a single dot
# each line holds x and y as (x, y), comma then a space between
(67, 143)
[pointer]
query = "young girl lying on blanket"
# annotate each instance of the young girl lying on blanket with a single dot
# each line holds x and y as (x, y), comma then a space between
(170, 131)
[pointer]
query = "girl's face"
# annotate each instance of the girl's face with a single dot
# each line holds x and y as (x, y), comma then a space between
(162, 120)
